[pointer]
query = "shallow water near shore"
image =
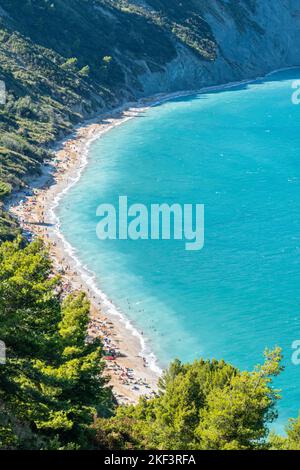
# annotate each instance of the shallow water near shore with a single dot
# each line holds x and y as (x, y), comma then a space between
(237, 151)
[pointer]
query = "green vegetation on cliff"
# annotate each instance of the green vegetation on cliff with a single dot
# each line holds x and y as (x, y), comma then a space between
(52, 385)
(63, 61)
(205, 405)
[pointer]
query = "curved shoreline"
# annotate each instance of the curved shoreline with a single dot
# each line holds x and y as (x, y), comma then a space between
(106, 305)
(72, 156)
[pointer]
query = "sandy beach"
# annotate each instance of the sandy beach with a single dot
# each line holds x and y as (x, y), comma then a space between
(135, 372)
(131, 373)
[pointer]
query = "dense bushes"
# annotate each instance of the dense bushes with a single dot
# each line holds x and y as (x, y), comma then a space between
(89, 59)
(205, 405)
(51, 386)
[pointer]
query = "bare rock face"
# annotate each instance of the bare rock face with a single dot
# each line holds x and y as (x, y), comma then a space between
(253, 37)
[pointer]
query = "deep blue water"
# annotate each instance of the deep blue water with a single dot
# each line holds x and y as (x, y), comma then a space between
(237, 152)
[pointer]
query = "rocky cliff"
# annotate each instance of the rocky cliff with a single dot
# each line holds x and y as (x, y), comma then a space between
(252, 37)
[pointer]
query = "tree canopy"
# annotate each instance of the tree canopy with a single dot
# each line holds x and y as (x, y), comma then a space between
(205, 405)
(52, 382)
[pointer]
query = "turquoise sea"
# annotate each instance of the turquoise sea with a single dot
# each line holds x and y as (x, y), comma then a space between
(238, 152)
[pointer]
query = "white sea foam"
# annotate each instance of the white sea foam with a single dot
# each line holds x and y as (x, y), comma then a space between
(88, 277)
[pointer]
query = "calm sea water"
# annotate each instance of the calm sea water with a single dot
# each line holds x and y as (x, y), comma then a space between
(237, 152)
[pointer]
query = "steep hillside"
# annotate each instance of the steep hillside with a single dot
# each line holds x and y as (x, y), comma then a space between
(63, 61)
(252, 38)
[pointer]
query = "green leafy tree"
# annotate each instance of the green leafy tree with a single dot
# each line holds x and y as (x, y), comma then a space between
(204, 405)
(52, 385)
(236, 416)
(291, 441)
(85, 71)
(70, 64)
(5, 189)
